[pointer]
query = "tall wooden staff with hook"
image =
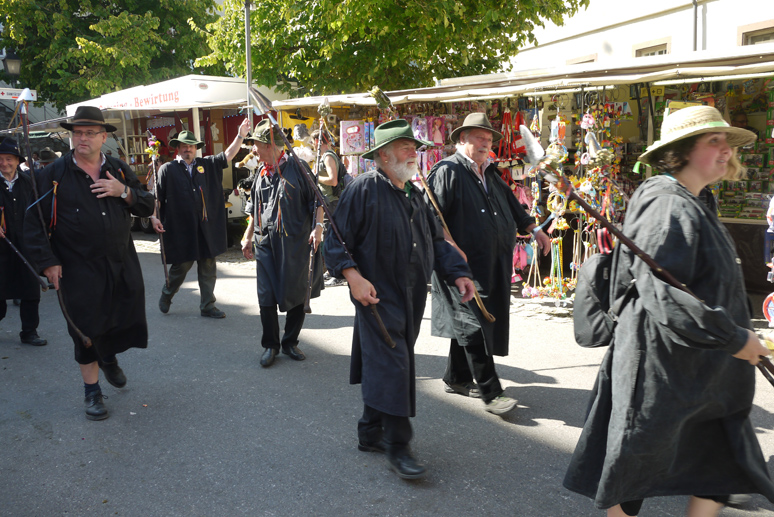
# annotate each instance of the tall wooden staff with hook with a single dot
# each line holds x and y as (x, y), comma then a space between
(263, 106)
(536, 156)
(153, 155)
(310, 276)
(384, 102)
(23, 98)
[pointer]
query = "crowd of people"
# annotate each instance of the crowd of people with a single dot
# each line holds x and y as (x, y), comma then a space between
(670, 411)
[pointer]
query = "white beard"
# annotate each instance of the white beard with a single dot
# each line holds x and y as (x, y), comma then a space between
(403, 171)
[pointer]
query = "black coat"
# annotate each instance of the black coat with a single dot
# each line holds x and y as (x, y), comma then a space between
(396, 242)
(282, 207)
(101, 282)
(189, 234)
(483, 223)
(16, 281)
(670, 411)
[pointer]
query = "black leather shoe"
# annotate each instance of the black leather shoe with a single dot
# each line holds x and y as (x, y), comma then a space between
(294, 353)
(95, 408)
(405, 466)
(34, 340)
(267, 359)
(114, 374)
(467, 389)
(372, 446)
(214, 313)
(164, 303)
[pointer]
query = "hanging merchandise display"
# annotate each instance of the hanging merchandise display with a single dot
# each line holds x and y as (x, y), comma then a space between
(594, 137)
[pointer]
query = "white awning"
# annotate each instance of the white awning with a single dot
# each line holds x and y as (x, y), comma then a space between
(738, 63)
(190, 91)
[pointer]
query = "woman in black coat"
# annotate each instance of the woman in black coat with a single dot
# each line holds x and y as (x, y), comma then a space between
(670, 410)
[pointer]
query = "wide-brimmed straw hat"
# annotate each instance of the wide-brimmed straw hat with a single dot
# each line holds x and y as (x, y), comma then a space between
(475, 121)
(87, 116)
(697, 120)
(9, 146)
(185, 137)
(391, 131)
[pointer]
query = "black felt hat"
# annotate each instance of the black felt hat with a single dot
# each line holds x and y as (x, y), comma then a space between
(9, 146)
(87, 116)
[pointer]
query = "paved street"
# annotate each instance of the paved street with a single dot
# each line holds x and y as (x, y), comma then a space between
(202, 430)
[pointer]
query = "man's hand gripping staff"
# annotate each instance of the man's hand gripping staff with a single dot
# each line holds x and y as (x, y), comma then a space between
(262, 106)
(537, 157)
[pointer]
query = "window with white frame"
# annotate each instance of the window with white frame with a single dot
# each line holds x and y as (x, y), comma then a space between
(761, 37)
(756, 33)
(656, 50)
(655, 47)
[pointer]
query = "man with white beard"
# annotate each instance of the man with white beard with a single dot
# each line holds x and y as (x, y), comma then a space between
(395, 242)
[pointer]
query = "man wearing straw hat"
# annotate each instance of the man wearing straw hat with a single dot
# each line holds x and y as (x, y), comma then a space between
(192, 216)
(396, 242)
(483, 216)
(279, 234)
(16, 281)
(87, 200)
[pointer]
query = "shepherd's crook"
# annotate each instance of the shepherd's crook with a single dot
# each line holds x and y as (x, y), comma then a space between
(430, 196)
(265, 108)
(23, 98)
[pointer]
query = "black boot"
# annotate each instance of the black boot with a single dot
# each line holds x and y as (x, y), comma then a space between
(113, 373)
(95, 408)
(405, 466)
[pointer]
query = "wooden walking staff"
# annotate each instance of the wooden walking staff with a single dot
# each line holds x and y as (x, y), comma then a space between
(310, 275)
(430, 195)
(154, 153)
(263, 107)
(384, 102)
(23, 98)
(535, 156)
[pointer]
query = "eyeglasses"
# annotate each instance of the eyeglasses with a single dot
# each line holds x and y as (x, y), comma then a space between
(86, 134)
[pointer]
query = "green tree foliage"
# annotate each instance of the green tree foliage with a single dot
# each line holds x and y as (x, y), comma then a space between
(73, 50)
(344, 46)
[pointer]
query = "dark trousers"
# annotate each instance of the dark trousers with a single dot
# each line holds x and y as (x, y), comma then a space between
(468, 363)
(207, 274)
(28, 312)
(294, 320)
(394, 430)
(767, 242)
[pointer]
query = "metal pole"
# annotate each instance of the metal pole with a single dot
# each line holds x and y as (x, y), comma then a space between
(248, 61)
(695, 24)
(197, 131)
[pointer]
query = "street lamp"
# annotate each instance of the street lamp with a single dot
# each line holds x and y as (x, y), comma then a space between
(12, 64)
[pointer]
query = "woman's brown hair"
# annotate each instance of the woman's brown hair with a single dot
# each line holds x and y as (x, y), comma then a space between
(672, 158)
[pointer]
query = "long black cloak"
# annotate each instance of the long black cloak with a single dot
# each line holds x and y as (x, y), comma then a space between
(101, 282)
(282, 206)
(396, 242)
(483, 223)
(670, 411)
(16, 281)
(192, 209)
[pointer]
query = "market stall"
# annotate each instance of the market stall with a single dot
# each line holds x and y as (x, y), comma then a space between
(622, 108)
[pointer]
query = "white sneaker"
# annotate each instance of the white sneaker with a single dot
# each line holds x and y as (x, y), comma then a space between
(500, 405)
